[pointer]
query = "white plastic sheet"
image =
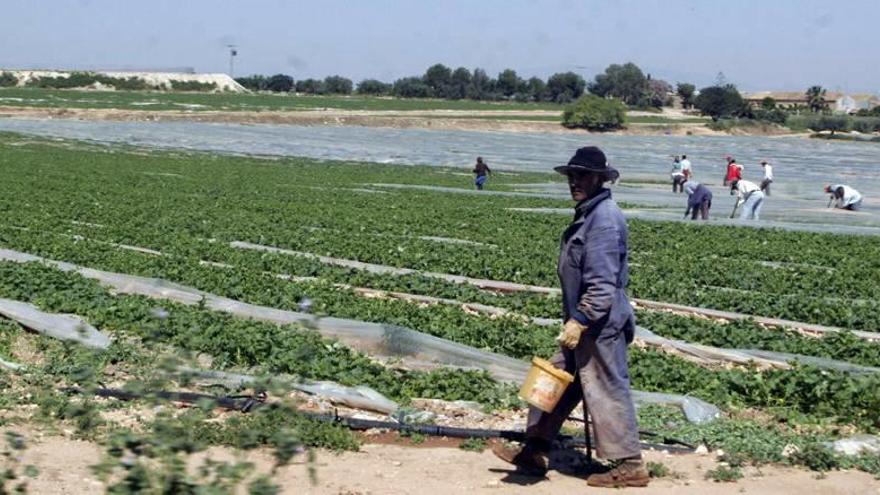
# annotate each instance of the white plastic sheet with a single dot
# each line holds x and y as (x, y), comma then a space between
(763, 358)
(64, 327)
(855, 445)
(371, 338)
(357, 397)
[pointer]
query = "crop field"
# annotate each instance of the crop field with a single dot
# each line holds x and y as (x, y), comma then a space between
(177, 216)
(232, 102)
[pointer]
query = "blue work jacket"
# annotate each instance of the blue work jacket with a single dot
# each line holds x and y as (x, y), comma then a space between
(593, 268)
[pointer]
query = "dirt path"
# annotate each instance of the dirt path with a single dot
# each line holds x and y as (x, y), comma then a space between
(435, 119)
(380, 468)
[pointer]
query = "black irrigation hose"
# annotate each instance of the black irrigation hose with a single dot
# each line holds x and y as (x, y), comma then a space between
(244, 403)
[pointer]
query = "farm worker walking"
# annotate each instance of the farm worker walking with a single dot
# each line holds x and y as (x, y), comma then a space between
(749, 196)
(686, 168)
(599, 325)
(844, 197)
(678, 175)
(482, 171)
(734, 171)
(699, 200)
(768, 177)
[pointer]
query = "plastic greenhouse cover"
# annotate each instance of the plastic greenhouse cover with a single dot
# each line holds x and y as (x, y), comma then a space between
(372, 338)
(64, 327)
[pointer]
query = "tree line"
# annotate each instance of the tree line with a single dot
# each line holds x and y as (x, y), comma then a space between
(438, 81)
(626, 82)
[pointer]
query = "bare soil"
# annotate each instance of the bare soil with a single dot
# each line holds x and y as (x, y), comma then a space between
(389, 467)
(434, 119)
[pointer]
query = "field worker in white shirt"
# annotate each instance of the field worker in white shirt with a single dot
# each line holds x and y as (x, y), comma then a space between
(749, 197)
(768, 177)
(677, 175)
(844, 197)
(686, 168)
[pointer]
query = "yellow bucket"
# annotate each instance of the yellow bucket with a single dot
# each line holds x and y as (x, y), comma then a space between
(544, 385)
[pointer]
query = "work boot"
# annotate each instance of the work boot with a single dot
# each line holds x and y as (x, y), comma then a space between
(530, 459)
(628, 472)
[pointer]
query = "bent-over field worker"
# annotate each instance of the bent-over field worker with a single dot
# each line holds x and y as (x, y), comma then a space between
(844, 197)
(699, 200)
(749, 197)
(599, 325)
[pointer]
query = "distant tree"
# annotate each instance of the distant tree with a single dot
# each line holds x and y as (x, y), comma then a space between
(482, 86)
(310, 86)
(656, 94)
(7, 79)
(337, 85)
(768, 103)
(565, 87)
(537, 89)
(595, 113)
(816, 99)
(279, 83)
(458, 86)
(438, 77)
(255, 82)
(686, 93)
(626, 82)
(509, 83)
(373, 87)
(834, 123)
(720, 102)
(411, 87)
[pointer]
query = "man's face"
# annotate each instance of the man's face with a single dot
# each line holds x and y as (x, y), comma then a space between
(583, 185)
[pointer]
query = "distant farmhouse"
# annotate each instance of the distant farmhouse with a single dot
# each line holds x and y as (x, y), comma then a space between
(837, 102)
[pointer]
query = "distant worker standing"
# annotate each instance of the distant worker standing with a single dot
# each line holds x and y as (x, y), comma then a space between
(749, 196)
(844, 197)
(686, 168)
(482, 171)
(734, 171)
(768, 177)
(678, 176)
(699, 200)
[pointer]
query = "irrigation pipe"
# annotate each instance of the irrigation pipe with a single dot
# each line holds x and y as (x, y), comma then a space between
(247, 404)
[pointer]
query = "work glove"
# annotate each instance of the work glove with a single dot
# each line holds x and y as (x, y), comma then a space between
(571, 333)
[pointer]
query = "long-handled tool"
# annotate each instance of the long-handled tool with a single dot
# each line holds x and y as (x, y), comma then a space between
(735, 206)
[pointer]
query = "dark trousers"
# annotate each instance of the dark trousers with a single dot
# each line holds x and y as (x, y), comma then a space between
(602, 383)
(702, 210)
(765, 186)
(677, 183)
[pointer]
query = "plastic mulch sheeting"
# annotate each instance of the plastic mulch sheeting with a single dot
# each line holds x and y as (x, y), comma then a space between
(745, 356)
(64, 327)
(503, 286)
(375, 339)
(392, 270)
(355, 397)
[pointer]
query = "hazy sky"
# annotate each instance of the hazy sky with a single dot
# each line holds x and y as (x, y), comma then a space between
(761, 44)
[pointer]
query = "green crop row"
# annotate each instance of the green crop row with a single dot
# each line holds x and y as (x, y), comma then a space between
(803, 394)
(167, 201)
(744, 334)
(234, 342)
